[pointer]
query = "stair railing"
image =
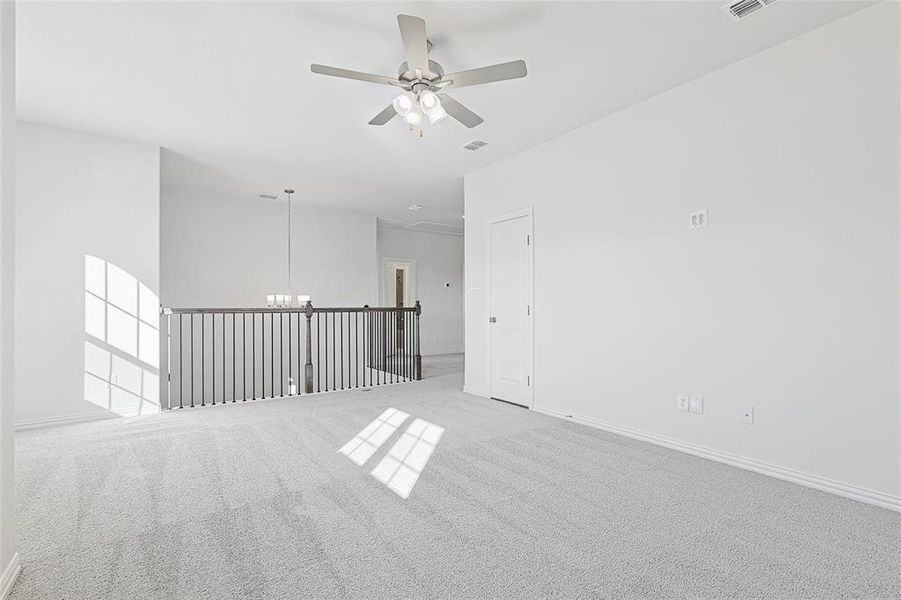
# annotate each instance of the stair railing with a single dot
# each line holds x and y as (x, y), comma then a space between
(229, 355)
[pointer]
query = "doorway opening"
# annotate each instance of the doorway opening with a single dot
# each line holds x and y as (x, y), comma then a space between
(399, 290)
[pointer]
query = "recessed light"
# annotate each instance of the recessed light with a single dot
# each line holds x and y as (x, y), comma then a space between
(415, 207)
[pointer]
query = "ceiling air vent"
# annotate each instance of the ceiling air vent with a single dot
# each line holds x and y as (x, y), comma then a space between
(743, 8)
(475, 145)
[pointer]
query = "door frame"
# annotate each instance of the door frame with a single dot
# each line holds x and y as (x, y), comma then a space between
(528, 212)
(410, 284)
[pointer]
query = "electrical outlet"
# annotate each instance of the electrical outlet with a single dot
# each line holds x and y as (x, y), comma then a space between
(747, 415)
(682, 402)
(697, 219)
(696, 404)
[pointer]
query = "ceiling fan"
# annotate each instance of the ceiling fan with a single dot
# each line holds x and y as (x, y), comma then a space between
(424, 82)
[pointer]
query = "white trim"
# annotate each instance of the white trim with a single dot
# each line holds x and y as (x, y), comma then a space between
(527, 211)
(824, 484)
(62, 420)
(475, 392)
(10, 573)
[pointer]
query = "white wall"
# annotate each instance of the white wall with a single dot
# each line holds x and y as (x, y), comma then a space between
(439, 261)
(898, 138)
(77, 195)
(9, 561)
(788, 302)
(231, 251)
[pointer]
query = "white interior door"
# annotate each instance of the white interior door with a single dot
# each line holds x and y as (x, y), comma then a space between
(510, 311)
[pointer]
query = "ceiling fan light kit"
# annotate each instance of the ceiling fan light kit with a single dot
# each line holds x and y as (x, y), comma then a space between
(424, 82)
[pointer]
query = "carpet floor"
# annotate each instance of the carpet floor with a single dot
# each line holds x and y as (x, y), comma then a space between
(255, 501)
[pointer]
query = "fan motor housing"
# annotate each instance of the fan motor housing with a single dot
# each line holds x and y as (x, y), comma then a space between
(406, 75)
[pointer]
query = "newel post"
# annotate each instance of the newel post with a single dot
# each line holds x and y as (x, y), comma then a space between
(417, 357)
(308, 367)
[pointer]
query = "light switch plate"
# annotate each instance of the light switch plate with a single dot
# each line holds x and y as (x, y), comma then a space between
(747, 415)
(682, 402)
(697, 405)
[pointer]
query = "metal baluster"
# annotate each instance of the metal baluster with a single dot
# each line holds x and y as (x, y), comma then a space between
(367, 339)
(357, 349)
(213, 357)
(281, 354)
(391, 345)
(402, 317)
(334, 355)
(341, 354)
(244, 357)
(410, 321)
(192, 360)
(181, 367)
(263, 355)
(168, 364)
(376, 344)
(386, 328)
(271, 356)
(377, 347)
(386, 376)
(389, 342)
(410, 343)
(406, 345)
(318, 356)
(253, 342)
(383, 352)
(290, 365)
(234, 359)
(223, 358)
(387, 316)
(202, 360)
(392, 333)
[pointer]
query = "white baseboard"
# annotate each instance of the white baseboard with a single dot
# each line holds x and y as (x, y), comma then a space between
(839, 488)
(8, 578)
(441, 352)
(475, 392)
(61, 420)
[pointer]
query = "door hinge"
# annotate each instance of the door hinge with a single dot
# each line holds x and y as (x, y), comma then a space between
(528, 380)
(528, 309)
(528, 239)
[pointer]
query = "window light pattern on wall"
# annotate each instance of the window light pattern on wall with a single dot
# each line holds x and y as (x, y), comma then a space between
(121, 350)
(364, 445)
(401, 467)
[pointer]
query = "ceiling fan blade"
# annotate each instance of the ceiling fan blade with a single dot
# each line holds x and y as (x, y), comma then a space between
(412, 32)
(384, 116)
(348, 74)
(460, 112)
(500, 72)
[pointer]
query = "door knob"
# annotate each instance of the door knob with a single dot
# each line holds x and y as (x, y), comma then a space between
(492, 320)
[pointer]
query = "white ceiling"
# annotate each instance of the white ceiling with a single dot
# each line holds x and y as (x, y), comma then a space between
(227, 90)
